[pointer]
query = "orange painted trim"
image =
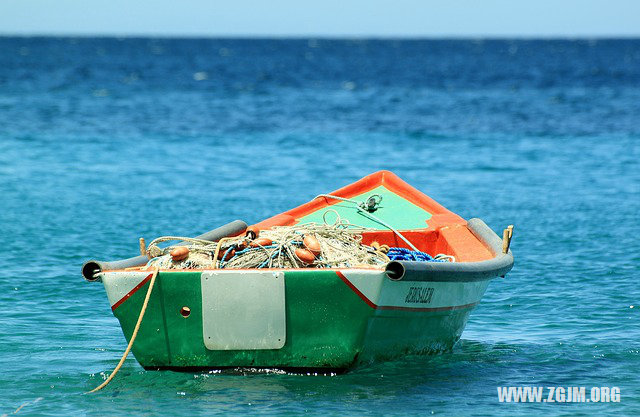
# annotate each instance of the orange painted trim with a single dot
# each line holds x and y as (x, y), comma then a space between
(277, 220)
(440, 215)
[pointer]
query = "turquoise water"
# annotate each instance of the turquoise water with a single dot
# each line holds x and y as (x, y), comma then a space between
(103, 141)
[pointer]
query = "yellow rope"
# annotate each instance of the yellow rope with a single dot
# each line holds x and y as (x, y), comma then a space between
(133, 336)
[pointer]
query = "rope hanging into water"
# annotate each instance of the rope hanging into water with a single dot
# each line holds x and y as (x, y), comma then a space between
(364, 209)
(133, 335)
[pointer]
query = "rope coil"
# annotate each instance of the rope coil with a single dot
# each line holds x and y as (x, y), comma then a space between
(403, 254)
(367, 213)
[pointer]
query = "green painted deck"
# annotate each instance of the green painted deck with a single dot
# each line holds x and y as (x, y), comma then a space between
(394, 210)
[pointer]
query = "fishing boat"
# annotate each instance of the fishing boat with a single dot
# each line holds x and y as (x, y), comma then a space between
(315, 317)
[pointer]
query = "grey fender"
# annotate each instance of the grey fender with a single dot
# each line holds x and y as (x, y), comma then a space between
(90, 269)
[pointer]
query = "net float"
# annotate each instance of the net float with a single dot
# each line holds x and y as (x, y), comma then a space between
(180, 253)
(221, 254)
(312, 244)
(305, 255)
(261, 241)
(375, 245)
(252, 232)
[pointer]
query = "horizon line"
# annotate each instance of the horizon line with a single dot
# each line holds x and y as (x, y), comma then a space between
(576, 37)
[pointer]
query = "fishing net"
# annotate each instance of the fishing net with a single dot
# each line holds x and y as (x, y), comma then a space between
(308, 245)
(338, 247)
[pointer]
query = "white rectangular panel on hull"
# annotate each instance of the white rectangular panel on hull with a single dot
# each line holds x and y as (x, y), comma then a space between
(243, 310)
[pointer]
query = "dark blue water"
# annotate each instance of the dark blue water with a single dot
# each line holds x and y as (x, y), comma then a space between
(103, 141)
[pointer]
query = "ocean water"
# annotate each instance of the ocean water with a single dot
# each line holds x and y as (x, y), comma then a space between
(103, 141)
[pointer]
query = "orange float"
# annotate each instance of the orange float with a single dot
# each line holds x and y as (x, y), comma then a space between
(312, 244)
(305, 255)
(180, 253)
(252, 232)
(261, 241)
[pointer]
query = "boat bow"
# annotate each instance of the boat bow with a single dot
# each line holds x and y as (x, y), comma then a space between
(499, 265)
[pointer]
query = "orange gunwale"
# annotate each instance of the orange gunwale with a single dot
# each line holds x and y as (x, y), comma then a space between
(440, 215)
(446, 232)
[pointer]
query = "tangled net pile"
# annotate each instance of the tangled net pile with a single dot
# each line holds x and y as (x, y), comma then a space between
(199, 256)
(335, 246)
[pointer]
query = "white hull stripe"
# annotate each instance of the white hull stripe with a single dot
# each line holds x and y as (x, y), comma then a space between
(122, 285)
(380, 293)
(371, 286)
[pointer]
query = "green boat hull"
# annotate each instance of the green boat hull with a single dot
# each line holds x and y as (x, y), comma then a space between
(319, 318)
(332, 319)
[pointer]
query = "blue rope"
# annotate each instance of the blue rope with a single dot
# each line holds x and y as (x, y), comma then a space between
(404, 254)
(249, 249)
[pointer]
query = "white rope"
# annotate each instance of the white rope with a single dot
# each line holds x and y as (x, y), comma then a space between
(200, 253)
(154, 251)
(371, 216)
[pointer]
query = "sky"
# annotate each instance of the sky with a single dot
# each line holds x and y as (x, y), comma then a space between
(324, 18)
